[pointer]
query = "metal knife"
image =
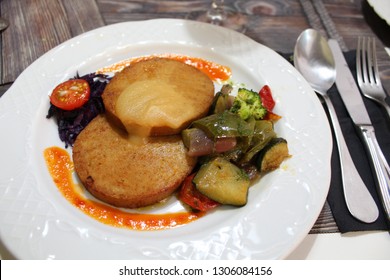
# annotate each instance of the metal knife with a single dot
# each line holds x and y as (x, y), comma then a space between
(353, 101)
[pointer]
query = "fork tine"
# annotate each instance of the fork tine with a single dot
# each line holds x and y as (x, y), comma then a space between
(364, 60)
(367, 72)
(359, 61)
(369, 61)
(375, 64)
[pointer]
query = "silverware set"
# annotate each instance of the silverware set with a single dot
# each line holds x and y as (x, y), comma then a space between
(313, 51)
(370, 85)
(313, 58)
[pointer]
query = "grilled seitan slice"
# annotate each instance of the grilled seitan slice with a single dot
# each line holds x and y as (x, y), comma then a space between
(124, 173)
(158, 97)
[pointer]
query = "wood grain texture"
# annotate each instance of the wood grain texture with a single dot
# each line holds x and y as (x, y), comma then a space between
(38, 26)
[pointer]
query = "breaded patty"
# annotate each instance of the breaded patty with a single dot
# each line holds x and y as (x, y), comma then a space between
(123, 173)
(158, 97)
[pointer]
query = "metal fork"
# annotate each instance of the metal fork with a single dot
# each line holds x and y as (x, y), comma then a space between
(368, 73)
(371, 86)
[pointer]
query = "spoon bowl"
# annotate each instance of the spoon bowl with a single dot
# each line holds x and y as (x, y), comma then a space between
(314, 59)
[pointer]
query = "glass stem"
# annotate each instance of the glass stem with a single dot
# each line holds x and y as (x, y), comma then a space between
(216, 13)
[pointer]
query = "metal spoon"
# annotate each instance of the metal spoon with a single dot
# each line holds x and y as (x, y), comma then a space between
(314, 59)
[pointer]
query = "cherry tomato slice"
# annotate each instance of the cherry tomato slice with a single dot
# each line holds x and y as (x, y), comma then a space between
(191, 196)
(71, 94)
(266, 98)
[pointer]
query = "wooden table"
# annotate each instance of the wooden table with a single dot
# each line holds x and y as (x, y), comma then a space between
(36, 26)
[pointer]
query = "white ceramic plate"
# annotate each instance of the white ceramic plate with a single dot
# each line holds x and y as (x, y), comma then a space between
(38, 223)
(381, 8)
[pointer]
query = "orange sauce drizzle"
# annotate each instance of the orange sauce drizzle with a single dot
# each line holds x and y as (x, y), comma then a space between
(215, 71)
(61, 170)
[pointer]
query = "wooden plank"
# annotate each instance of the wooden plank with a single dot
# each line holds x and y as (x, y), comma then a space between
(38, 26)
(28, 38)
(265, 21)
(82, 15)
(272, 33)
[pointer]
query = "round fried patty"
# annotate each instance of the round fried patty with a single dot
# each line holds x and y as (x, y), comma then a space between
(124, 172)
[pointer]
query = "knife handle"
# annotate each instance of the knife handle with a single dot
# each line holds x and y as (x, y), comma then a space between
(359, 201)
(380, 165)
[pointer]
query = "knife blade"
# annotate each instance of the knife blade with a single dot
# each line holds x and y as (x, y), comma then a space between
(353, 101)
(347, 87)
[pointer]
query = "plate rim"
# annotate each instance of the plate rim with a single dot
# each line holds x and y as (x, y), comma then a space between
(380, 10)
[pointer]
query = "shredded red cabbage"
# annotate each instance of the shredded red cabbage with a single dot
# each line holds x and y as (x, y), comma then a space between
(71, 123)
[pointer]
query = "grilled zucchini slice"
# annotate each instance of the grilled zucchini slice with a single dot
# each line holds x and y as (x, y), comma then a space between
(272, 155)
(222, 181)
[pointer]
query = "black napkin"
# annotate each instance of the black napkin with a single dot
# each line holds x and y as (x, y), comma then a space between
(381, 122)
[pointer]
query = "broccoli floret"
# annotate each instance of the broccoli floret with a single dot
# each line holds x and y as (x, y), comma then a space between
(248, 104)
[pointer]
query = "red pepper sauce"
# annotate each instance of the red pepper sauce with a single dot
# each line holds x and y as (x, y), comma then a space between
(215, 71)
(61, 170)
